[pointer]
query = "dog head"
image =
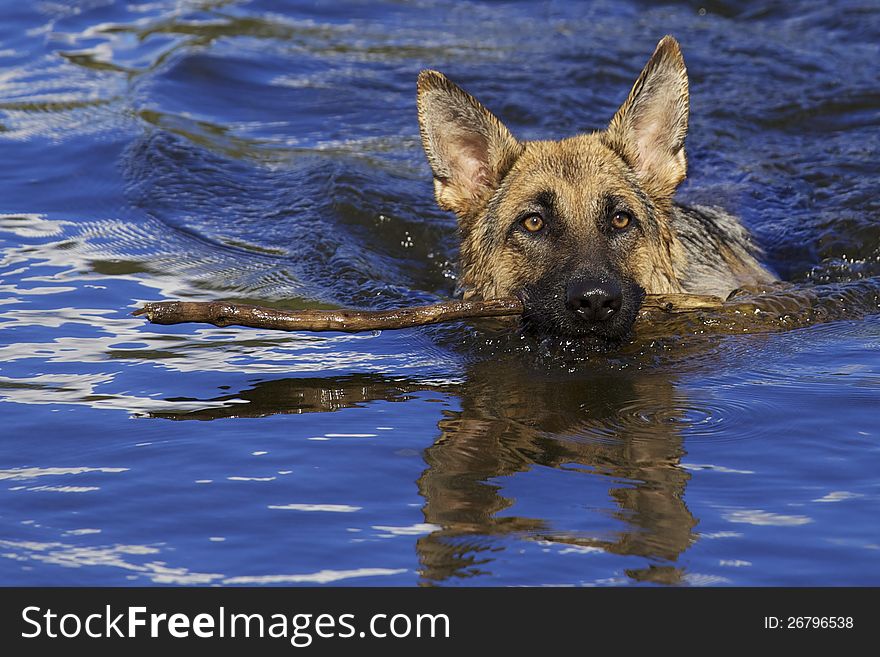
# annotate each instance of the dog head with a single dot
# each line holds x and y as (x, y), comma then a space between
(578, 228)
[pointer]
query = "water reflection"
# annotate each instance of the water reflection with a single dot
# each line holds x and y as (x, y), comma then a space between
(295, 396)
(513, 420)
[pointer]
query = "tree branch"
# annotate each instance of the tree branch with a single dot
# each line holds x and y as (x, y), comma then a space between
(759, 310)
(223, 313)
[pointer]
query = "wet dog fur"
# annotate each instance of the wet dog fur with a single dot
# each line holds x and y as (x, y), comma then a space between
(582, 228)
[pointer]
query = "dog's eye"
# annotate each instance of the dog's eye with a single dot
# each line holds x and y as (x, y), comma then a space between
(532, 223)
(621, 220)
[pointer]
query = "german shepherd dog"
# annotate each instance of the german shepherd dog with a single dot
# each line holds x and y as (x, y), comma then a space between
(581, 228)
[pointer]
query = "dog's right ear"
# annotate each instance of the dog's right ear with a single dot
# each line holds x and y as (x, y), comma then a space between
(468, 148)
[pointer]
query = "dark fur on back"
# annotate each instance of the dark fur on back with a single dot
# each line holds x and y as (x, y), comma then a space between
(721, 255)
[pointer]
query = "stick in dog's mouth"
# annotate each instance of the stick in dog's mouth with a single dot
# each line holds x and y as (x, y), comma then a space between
(224, 313)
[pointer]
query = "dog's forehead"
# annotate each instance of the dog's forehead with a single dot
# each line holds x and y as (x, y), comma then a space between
(580, 172)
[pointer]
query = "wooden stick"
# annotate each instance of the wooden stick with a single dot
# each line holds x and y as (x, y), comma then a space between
(778, 307)
(223, 313)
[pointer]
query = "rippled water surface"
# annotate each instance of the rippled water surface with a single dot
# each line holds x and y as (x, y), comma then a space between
(268, 151)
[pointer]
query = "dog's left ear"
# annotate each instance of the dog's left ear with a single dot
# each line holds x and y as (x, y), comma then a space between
(650, 127)
(468, 148)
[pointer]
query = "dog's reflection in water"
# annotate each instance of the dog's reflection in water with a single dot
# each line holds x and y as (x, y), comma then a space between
(614, 426)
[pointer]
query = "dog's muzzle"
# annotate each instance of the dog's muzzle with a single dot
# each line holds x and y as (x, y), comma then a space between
(593, 300)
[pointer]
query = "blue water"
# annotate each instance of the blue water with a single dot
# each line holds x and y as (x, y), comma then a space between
(269, 152)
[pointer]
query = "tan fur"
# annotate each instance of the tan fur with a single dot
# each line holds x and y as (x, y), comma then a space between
(461, 181)
(579, 170)
(491, 180)
(651, 125)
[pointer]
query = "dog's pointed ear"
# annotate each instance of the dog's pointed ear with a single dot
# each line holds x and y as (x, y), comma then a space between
(468, 148)
(650, 127)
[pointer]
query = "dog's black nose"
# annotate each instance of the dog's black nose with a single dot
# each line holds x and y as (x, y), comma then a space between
(593, 300)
